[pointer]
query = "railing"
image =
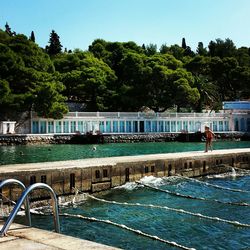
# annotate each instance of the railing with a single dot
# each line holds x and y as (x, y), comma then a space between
(22, 199)
(27, 204)
(142, 115)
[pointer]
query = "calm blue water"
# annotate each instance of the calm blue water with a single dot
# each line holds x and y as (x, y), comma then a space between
(43, 153)
(187, 230)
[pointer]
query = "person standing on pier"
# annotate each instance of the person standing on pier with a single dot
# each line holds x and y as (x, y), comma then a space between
(209, 138)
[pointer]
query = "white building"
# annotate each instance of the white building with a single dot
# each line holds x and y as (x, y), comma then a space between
(235, 116)
(130, 123)
(7, 127)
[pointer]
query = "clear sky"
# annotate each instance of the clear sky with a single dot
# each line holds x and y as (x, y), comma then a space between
(79, 22)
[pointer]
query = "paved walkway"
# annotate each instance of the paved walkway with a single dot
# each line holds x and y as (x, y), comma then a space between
(112, 161)
(27, 238)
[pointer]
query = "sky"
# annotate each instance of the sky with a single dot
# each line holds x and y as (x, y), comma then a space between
(80, 22)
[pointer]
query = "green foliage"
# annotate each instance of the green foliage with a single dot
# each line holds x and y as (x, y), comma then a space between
(24, 68)
(118, 76)
(54, 46)
(48, 102)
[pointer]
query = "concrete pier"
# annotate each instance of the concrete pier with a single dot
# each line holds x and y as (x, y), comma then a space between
(22, 237)
(97, 174)
(93, 175)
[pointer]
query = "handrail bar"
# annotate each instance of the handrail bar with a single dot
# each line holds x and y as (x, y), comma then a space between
(21, 200)
(27, 204)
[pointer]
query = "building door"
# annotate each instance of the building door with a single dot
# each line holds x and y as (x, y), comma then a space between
(141, 126)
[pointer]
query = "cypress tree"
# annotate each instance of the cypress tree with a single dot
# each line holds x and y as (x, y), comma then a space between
(183, 44)
(32, 36)
(54, 46)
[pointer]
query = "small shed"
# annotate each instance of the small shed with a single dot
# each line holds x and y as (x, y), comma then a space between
(7, 127)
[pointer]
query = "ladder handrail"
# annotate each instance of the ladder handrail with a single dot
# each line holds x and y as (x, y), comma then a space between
(21, 200)
(27, 204)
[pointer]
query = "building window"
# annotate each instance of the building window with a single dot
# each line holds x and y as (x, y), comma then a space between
(122, 126)
(50, 127)
(135, 126)
(65, 127)
(167, 126)
(101, 126)
(108, 126)
(73, 126)
(154, 126)
(35, 127)
(173, 126)
(43, 127)
(80, 126)
(58, 126)
(226, 125)
(179, 126)
(242, 124)
(214, 125)
(148, 126)
(220, 125)
(185, 125)
(115, 126)
(161, 126)
(191, 126)
(128, 127)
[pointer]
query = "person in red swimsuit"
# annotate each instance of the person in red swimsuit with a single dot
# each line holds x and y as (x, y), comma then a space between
(209, 138)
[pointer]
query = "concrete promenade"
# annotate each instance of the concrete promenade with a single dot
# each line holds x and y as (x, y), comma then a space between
(112, 161)
(21, 237)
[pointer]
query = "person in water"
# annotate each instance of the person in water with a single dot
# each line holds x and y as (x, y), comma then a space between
(209, 138)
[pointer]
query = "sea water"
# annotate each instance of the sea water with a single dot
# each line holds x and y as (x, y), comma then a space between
(150, 216)
(45, 153)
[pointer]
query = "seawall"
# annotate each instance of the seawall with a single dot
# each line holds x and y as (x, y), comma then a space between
(93, 175)
(24, 139)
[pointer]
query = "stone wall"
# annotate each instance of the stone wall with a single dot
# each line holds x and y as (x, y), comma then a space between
(23, 139)
(94, 175)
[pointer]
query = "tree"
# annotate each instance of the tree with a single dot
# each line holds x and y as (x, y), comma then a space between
(151, 49)
(47, 100)
(222, 48)
(8, 30)
(183, 44)
(201, 50)
(32, 36)
(54, 46)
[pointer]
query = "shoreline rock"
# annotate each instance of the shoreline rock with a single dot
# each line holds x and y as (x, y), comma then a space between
(29, 139)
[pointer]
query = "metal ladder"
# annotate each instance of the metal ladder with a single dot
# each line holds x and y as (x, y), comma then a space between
(26, 204)
(24, 197)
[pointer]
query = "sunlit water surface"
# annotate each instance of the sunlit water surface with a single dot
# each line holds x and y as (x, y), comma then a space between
(187, 230)
(43, 153)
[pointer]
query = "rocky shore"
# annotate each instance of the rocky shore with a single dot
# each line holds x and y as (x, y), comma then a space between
(119, 138)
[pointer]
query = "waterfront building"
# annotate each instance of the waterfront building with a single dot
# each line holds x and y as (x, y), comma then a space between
(7, 127)
(130, 123)
(235, 116)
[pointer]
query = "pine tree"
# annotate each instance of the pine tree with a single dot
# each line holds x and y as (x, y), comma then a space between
(54, 46)
(32, 36)
(8, 30)
(183, 45)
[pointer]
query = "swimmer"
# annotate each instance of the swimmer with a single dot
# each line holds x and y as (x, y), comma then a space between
(94, 148)
(21, 153)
